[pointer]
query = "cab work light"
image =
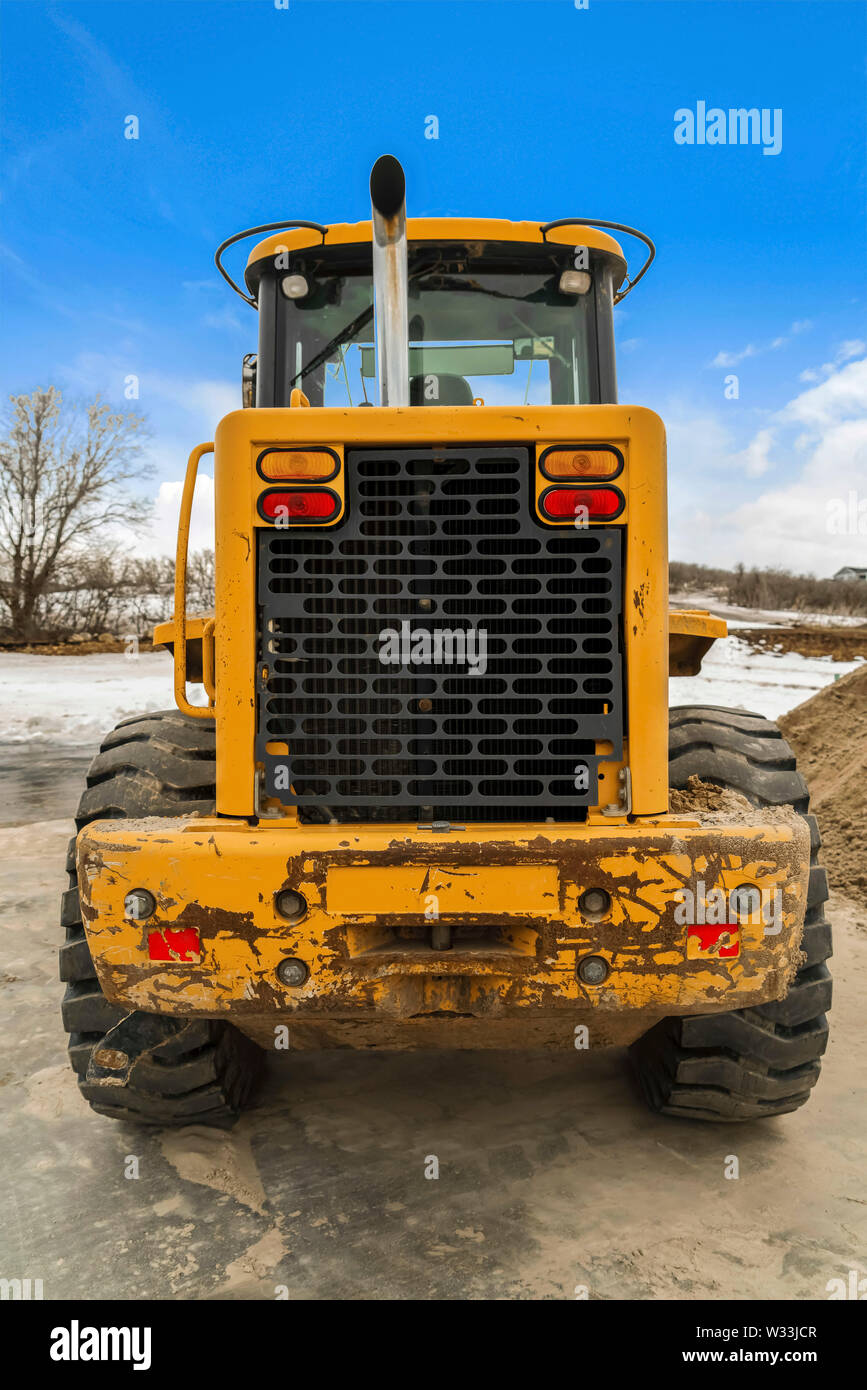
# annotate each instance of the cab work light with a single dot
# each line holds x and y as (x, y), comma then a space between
(577, 464)
(575, 282)
(299, 506)
(581, 504)
(299, 464)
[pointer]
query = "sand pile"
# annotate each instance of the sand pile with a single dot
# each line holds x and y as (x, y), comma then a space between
(829, 736)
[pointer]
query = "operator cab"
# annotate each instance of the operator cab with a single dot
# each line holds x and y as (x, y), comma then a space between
(505, 316)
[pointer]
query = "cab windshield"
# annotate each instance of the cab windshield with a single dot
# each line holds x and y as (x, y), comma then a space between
(491, 329)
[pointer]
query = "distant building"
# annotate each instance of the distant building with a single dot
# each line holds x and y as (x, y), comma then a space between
(850, 572)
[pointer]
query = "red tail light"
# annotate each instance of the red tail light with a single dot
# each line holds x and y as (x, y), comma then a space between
(299, 505)
(582, 503)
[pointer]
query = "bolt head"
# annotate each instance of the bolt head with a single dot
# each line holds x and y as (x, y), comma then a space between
(593, 970)
(292, 972)
(594, 901)
(291, 905)
(139, 905)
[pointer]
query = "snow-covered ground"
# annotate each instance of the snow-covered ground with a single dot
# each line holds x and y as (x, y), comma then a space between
(73, 700)
(770, 683)
(70, 701)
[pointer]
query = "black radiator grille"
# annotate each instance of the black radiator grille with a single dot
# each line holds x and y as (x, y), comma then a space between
(493, 722)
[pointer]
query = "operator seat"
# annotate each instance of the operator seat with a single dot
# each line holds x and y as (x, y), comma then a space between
(451, 390)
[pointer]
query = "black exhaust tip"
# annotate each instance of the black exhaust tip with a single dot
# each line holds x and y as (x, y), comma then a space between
(387, 186)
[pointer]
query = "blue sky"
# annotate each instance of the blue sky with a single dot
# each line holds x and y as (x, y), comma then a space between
(250, 113)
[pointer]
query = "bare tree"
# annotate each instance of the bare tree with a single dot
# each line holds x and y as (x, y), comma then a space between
(200, 581)
(107, 590)
(87, 596)
(150, 595)
(64, 475)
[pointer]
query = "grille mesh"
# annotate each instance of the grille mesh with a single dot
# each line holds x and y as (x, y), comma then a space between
(438, 542)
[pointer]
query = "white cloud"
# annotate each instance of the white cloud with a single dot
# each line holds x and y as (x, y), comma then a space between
(162, 537)
(198, 405)
(816, 447)
(755, 459)
(792, 525)
(731, 359)
(842, 394)
(700, 449)
(210, 400)
(853, 347)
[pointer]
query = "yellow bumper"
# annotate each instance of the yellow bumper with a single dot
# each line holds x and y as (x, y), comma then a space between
(510, 895)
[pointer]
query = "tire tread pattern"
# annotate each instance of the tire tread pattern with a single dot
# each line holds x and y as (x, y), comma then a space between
(159, 764)
(763, 1061)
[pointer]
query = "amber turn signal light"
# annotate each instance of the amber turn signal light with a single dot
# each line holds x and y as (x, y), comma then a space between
(578, 464)
(299, 465)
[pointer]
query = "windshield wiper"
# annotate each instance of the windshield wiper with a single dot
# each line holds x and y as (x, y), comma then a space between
(445, 282)
(337, 341)
(346, 333)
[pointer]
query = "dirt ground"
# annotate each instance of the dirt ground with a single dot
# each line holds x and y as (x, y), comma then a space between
(829, 736)
(89, 648)
(552, 1175)
(840, 643)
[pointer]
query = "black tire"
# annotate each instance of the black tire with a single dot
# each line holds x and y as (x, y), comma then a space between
(198, 1071)
(762, 1061)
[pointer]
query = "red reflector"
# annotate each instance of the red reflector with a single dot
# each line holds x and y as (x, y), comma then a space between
(175, 943)
(583, 503)
(299, 506)
(722, 941)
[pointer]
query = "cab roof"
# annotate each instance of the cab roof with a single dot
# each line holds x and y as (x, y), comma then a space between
(460, 229)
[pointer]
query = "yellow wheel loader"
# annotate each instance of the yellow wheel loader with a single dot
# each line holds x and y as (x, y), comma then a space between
(435, 796)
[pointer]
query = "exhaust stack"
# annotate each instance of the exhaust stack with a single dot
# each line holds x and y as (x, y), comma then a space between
(391, 327)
